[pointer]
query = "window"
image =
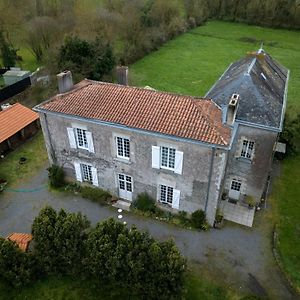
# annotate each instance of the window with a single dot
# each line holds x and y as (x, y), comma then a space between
(247, 149)
(236, 185)
(166, 194)
(86, 172)
(81, 138)
(125, 182)
(123, 147)
(168, 157)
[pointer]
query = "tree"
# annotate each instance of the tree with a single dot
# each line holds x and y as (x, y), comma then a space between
(135, 261)
(16, 267)
(8, 52)
(41, 33)
(58, 240)
(88, 59)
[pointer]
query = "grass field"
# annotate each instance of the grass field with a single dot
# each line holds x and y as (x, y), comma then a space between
(35, 152)
(191, 63)
(65, 288)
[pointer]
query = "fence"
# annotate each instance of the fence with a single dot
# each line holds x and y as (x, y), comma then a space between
(14, 89)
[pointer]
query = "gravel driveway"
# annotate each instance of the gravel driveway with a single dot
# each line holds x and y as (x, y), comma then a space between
(240, 257)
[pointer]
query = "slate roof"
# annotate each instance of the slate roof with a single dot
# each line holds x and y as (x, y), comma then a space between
(260, 81)
(15, 118)
(21, 239)
(166, 113)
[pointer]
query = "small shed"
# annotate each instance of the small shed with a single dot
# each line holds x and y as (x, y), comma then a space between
(14, 75)
(21, 239)
(17, 123)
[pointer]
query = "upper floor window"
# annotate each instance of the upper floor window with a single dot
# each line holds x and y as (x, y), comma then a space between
(123, 147)
(80, 138)
(167, 158)
(247, 149)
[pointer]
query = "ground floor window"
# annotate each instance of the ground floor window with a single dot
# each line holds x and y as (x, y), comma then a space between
(166, 194)
(125, 182)
(86, 172)
(236, 185)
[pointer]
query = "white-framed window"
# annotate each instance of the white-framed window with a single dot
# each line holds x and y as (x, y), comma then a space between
(169, 195)
(125, 182)
(167, 158)
(86, 173)
(166, 194)
(80, 138)
(123, 147)
(247, 149)
(236, 185)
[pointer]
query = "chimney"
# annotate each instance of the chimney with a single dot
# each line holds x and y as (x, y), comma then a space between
(65, 81)
(232, 109)
(122, 75)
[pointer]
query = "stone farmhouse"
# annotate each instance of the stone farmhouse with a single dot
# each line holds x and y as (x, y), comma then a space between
(188, 153)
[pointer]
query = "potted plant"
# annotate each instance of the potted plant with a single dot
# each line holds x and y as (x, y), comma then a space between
(250, 201)
(219, 220)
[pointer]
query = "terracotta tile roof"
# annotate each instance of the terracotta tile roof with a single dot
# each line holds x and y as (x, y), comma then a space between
(167, 113)
(21, 239)
(15, 118)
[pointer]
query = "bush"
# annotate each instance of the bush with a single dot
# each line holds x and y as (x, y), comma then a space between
(95, 194)
(184, 219)
(198, 219)
(56, 176)
(145, 203)
(15, 266)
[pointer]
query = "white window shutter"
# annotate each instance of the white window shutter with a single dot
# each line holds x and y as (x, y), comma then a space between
(176, 198)
(78, 171)
(72, 139)
(90, 141)
(178, 162)
(95, 176)
(155, 157)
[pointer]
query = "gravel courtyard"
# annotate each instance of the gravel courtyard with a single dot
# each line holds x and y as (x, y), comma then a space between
(240, 257)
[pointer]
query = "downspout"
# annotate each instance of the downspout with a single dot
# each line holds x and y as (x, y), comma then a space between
(52, 153)
(213, 151)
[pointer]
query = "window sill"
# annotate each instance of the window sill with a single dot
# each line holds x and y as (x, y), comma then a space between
(244, 159)
(123, 160)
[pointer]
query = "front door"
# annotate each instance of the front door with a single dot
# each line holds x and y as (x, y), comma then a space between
(235, 189)
(125, 186)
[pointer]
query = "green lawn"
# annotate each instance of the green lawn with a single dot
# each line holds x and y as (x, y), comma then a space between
(65, 288)
(35, 152)
(286, 196)
(191, 63)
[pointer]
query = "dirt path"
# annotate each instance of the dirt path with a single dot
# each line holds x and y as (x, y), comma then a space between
(238, 256)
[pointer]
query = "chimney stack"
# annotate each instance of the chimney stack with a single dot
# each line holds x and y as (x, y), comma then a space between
(65, 81)
(122, 75)
(232, 109)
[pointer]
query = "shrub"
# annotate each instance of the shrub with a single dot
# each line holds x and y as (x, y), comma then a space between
(198, 219)
(145, 203)
(95, 194)
(183, 218)
(15, 266)
(56, 176)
